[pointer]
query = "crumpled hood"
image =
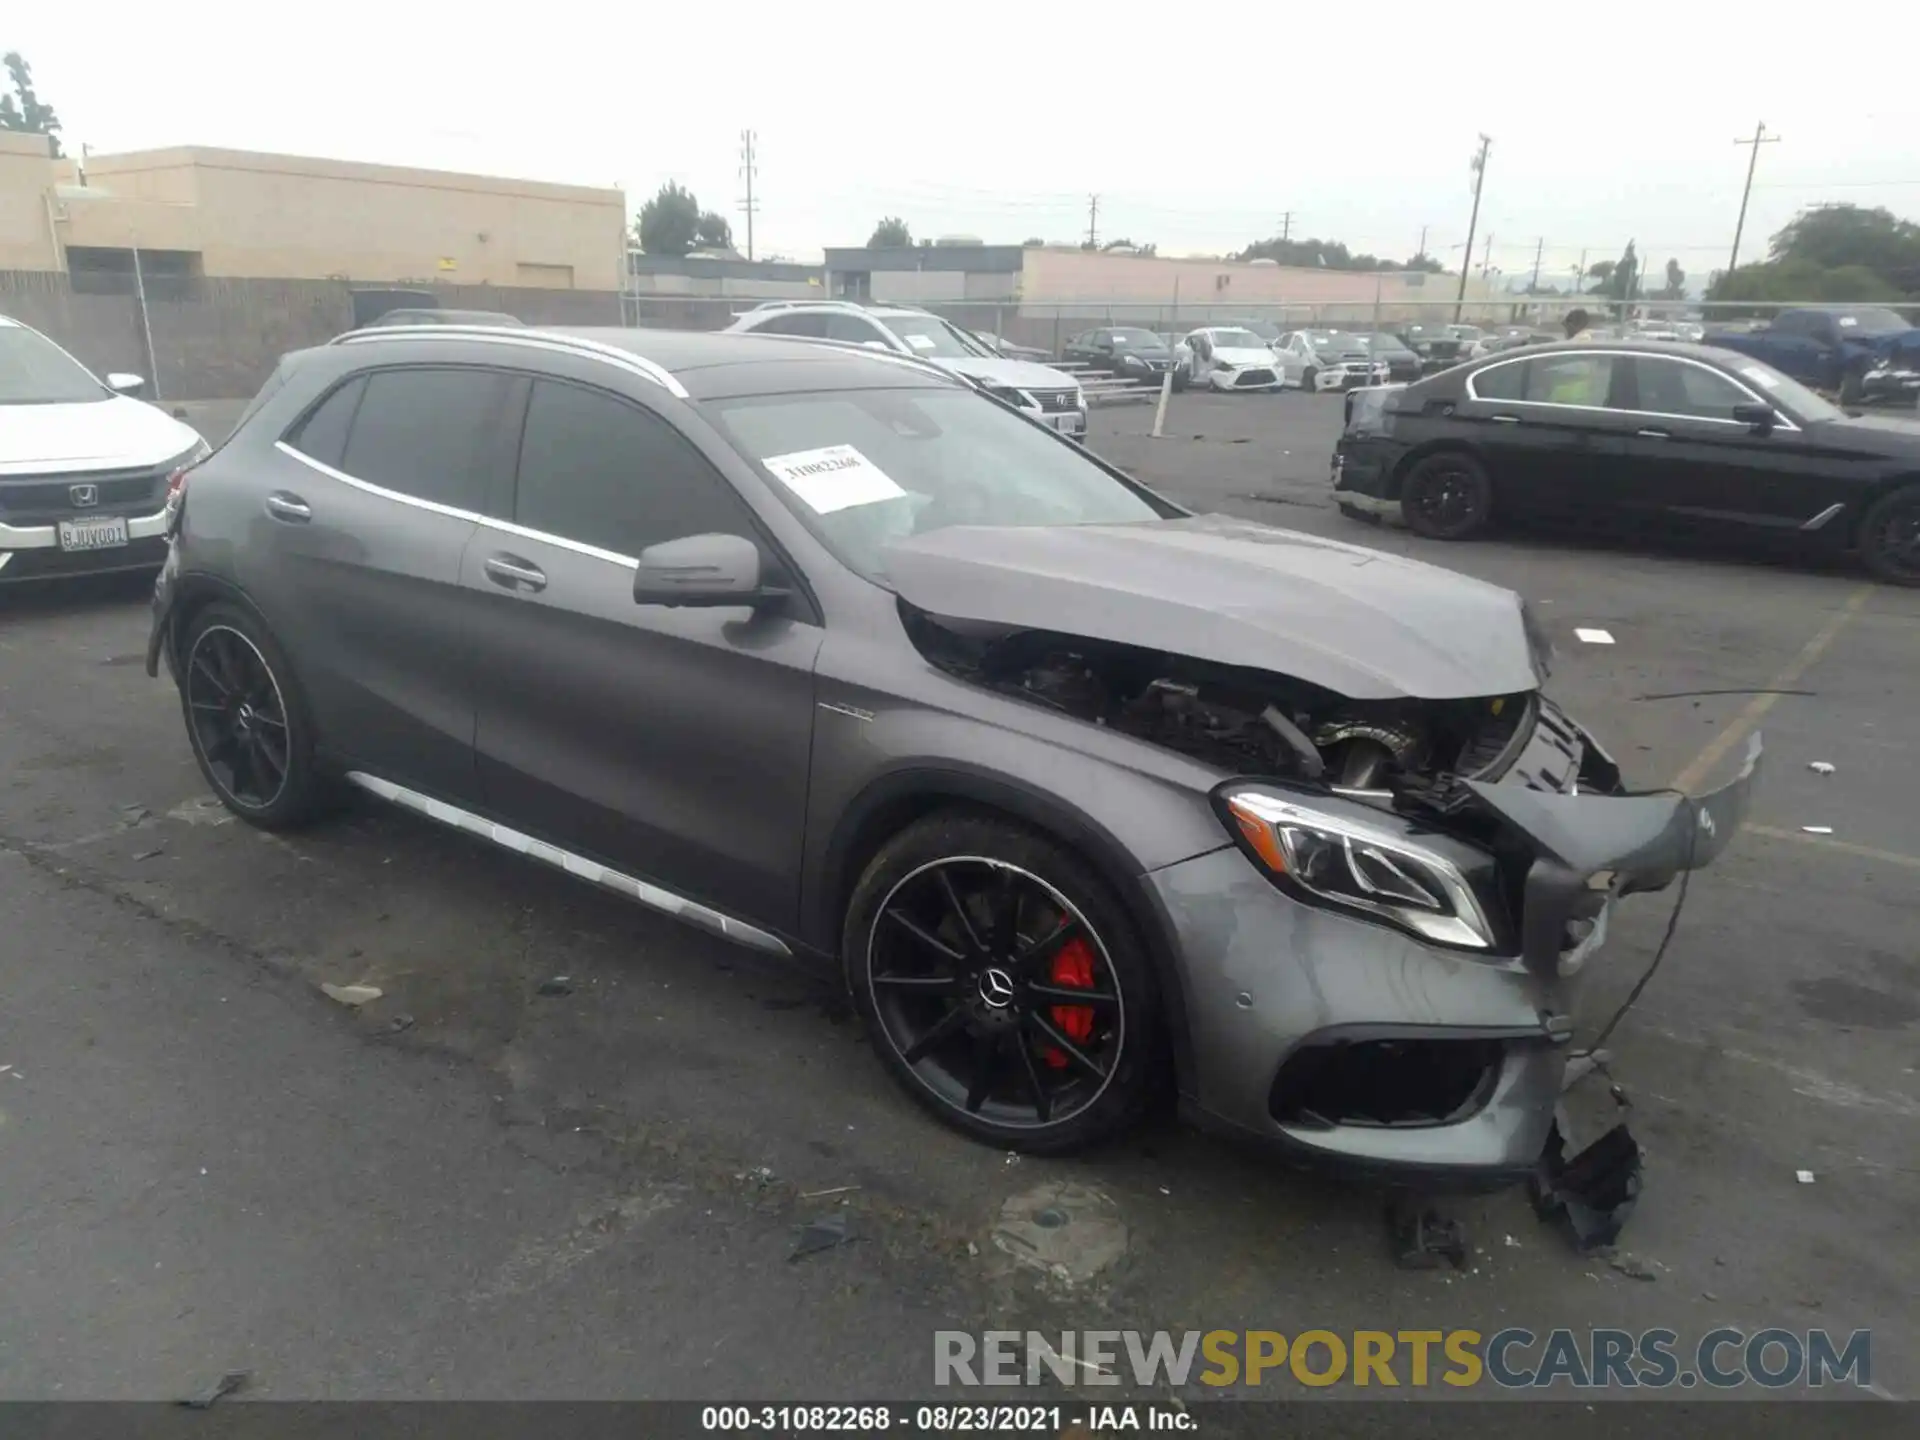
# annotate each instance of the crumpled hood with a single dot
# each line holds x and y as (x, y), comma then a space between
(1023, 373)
(1239, 355)
(1365, 624)
(92, 435)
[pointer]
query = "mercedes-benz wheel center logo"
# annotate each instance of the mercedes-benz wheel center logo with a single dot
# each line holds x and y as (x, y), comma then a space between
(996, 987)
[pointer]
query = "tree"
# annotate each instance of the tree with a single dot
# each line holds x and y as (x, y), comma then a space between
(23, 111)
(1033, 242)
(1600, 272)
(669, 223)
(1426, 263)
(890, 234)
(1676, 287)
(1833, 237)
(712, 232)
(1128, 245)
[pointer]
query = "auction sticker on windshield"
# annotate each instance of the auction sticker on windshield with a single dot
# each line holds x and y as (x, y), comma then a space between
(833, 478)
(920, 342)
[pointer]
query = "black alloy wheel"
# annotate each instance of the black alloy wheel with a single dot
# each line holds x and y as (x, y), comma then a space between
(1890, 537)
(246, 722)
(1001, 985)
(1447, 497)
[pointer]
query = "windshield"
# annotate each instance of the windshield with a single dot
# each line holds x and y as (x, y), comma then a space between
(1384, 342)
(1265, 329)
(863, 468)
(1871, 322)
(1333, 340)
(1138, 340)
(1786, 392)
(35, 371)
(929, 335)
(1464, 332)
(1238, 340)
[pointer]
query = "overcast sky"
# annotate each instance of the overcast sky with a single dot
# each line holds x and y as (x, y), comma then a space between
(1198, 126)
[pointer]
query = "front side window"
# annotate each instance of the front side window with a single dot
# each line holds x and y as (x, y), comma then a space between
(1672, 387)
(1569, 380)
(429, 433)
(863, 468)
(601, 471)
(35, 371)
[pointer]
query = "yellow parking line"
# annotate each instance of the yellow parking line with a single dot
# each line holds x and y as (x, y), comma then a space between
(1844, 847)
(1755, 710)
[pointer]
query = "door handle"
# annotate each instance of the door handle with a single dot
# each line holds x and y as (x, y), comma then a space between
(1655, 434)
(514, 573)
(1504, 419)
(282, 505)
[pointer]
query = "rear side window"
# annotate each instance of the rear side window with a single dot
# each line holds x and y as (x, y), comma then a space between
(323, 434)
(429, 433)
(813, 325)
(1582, 380)
(1501, 382)
(606, 473)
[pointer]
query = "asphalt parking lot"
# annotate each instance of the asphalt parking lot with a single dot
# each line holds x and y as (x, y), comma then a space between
(467, 1187)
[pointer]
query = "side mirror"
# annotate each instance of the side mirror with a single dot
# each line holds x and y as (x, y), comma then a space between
(1760, 417)
(706, 570)
(122, 382)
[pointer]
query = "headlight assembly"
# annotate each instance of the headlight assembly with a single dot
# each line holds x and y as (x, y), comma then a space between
(1347, 863)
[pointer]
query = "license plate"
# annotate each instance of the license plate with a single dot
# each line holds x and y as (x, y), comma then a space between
(1069, 423)
(102, 534)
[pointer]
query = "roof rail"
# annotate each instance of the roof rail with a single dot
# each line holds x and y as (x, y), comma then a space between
(530, 337)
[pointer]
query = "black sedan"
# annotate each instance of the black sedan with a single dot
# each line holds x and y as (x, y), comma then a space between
(1122, 350)
(1644, 435)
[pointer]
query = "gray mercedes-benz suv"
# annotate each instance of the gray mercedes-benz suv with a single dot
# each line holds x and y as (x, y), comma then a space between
(824, 651)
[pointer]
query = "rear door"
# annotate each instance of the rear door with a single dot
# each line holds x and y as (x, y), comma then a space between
(671, 743)
(358, 563)
(1545, 431)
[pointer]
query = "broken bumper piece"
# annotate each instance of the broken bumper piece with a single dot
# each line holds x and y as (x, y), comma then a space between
(1357, 1043)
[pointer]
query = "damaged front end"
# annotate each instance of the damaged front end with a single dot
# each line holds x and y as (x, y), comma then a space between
(1380, 968)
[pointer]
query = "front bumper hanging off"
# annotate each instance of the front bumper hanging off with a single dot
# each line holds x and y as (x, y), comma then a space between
(1358, 1043)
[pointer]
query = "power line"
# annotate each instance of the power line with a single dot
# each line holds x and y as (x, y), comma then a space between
(1466, 255)
(747, 168)
(1760, 137)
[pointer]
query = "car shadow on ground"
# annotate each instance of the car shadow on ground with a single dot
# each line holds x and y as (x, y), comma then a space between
(79, 595)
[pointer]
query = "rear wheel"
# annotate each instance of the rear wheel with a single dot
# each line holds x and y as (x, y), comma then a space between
(1890, 537)
(1447, 496)
(246, 720)
(1002, 985)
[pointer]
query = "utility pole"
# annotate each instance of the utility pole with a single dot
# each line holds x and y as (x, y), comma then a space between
(1760, 137)
(1538, 250)
(1486, 256)
(1286, 227)
(747, 168)
(1093, 222)
(1466, 260)
(1421, 253)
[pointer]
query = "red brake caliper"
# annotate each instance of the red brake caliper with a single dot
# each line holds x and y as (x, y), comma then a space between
(1072, 968)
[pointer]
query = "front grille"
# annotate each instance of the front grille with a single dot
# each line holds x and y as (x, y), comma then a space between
(1054, 402)
(1255, 377)
(43, 499)
(1444, 349)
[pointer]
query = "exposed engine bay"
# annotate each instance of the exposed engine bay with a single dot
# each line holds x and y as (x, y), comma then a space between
(1412, 753)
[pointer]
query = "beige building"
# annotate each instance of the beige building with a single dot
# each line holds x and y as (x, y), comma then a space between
(233, 213)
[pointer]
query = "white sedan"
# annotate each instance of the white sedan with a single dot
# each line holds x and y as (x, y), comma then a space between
(1318, 360)
(1225, 357)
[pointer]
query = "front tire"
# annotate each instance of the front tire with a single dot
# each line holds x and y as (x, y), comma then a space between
(1890, 537)
(1447, 496)
(1002, 985)
(249, 726)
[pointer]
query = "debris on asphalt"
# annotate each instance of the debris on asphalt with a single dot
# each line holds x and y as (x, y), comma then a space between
(1592, 637)
(1708, 1295)
(1512, 1244)
(972, 1249)
(823, 1234)
(227, 1384)
(1820, 767)
(1631, 1266)
(1420, 1235)
(555, 985)
(760, 1177)
(1013, 1156)
(1070, 1232)
(353, 996)
(5, 1068)
(399, 1023)
(149, 854)
(1805, 1177)
(1596, 1190)
(1818, 829)
(822, 1194)
(132, 815)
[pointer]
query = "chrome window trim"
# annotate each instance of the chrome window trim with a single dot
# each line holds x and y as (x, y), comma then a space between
(552, 344)
(655, 897)
(454, 512)
(1785, 421)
